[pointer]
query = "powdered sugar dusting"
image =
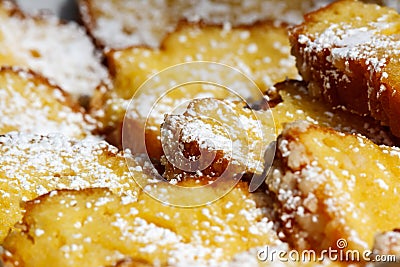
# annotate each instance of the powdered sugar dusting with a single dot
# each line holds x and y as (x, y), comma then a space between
(136, 65)
(61, 162)
(202, 236)
(350, 60)
(322, 183)
(33, 165)
(347, 42)
(30, 105)
(387, 243)
(220, 125)
(61, 52)
(121, 24)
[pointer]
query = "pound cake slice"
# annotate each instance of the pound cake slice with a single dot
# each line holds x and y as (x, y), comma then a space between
(29, 103)
(32, 165)
(61, 52)
(119, 24)
(206, 135)
(213, 134)
(66, 228)
(332, 186)
(249, 49)
(348, 52)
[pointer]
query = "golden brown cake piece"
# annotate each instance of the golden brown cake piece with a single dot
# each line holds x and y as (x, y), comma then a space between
(61, 52)
(32, 165)
(120, 24)
(249, 49)
(66, 228)
(204, 138)
(348, 52)
(29, 103)
(215, 134)
(333, 189)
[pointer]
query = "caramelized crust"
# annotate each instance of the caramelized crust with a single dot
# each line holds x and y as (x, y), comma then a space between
(29, 103)
(332, 186)
(66, 228)
(348, 53)
(212, 134)
(33, 165)
(297, 104)
(249, 49)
